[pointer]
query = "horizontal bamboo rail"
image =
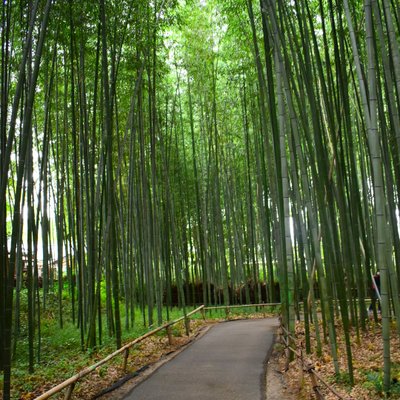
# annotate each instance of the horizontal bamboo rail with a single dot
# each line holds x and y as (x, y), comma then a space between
(241, 306)
(228, 308)
(309, 368)
(70, 383)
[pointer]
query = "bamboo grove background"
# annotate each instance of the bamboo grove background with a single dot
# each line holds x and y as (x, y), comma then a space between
(198, 151)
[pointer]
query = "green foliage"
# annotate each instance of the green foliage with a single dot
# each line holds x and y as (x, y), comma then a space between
(343, 378)
(374, 381)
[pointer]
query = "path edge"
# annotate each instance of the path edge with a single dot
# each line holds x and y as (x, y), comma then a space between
(126, 386)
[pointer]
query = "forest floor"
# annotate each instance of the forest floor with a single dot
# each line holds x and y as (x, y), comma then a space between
(367, 350)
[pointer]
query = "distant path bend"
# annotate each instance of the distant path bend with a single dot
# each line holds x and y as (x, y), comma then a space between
(228, 362)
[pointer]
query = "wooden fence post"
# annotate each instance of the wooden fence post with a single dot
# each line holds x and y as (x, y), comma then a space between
(187, 326)
(309, 368)
(315, 387)
(126, 355)
(287, 356)
(71, 388)
(169, 333)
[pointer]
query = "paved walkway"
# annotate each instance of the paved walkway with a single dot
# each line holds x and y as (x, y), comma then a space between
(226, 363)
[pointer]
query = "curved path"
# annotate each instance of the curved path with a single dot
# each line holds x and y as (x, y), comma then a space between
(228, 362)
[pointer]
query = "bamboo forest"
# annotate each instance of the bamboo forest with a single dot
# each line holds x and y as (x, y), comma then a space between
(170, 153)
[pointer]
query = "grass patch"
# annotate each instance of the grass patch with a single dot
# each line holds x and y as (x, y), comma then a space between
(373, 380)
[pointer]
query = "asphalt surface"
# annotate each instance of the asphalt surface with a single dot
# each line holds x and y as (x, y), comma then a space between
(228, 362)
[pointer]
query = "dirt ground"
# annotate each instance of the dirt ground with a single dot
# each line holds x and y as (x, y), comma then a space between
(276, 388)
